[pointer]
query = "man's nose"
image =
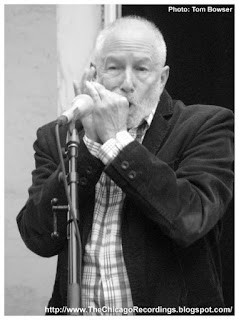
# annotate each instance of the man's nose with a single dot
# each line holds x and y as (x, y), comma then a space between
(128, 84)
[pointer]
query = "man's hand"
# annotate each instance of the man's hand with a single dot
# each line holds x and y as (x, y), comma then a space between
(87, 117)
(110, 111)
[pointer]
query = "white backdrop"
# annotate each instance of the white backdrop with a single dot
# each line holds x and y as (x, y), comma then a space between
(38, 80)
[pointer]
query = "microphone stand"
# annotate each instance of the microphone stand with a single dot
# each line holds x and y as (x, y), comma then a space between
(74, 250)
(74, 243)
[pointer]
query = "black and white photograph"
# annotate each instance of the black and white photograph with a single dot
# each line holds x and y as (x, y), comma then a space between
(119, 159)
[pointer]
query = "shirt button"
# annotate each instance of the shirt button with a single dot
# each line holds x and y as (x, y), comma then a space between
(83, 181)
(125, 165)
(132, 174)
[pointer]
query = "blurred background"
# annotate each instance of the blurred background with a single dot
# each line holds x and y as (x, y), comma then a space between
(48, 46)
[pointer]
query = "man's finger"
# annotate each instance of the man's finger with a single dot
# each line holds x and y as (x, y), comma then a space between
(100, 89)
(85, 77)
(92, 91)
(88, 75)
(77, 87)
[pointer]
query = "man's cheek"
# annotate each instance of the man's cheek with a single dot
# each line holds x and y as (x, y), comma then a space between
(108, 81)
(109, 84)
(102, 79)
(99, 78)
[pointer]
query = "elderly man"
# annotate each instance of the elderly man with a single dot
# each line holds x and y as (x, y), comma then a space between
(155, 177)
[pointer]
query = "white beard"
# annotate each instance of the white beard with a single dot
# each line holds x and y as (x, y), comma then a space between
(141, 109)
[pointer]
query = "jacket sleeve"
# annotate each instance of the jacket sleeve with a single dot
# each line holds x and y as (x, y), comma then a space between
(188, 202)
(35, 220)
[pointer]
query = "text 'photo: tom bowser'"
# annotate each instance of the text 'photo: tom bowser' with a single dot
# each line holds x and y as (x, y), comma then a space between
(201, 9)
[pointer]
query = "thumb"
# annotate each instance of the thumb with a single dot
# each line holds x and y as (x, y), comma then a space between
(77, 87)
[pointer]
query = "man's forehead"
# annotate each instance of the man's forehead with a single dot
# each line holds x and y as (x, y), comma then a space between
(136, 56)
(140, 43)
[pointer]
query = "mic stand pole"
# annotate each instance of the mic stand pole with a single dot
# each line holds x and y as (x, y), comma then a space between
(74, 248)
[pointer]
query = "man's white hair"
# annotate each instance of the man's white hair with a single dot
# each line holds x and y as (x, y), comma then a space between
(127, 22)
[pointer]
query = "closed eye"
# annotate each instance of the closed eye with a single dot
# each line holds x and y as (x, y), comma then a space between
(112, 68)
(142, 69)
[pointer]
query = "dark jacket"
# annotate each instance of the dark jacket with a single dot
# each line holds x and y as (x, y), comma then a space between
(177, 184)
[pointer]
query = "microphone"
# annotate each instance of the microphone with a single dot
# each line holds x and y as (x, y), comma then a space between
(80, 106)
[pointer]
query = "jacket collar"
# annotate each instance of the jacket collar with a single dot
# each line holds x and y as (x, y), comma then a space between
(160, 124)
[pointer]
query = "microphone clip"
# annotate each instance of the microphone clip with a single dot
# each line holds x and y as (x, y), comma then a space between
(55, 209)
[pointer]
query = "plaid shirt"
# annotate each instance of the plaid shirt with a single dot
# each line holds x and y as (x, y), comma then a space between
(105, 281)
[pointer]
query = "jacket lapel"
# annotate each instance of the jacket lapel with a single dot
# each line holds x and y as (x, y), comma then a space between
(160, 124)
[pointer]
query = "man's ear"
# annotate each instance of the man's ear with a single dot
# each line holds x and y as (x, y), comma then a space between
(164, 76)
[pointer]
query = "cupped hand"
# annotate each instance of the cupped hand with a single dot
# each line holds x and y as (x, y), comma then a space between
(110, 111)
